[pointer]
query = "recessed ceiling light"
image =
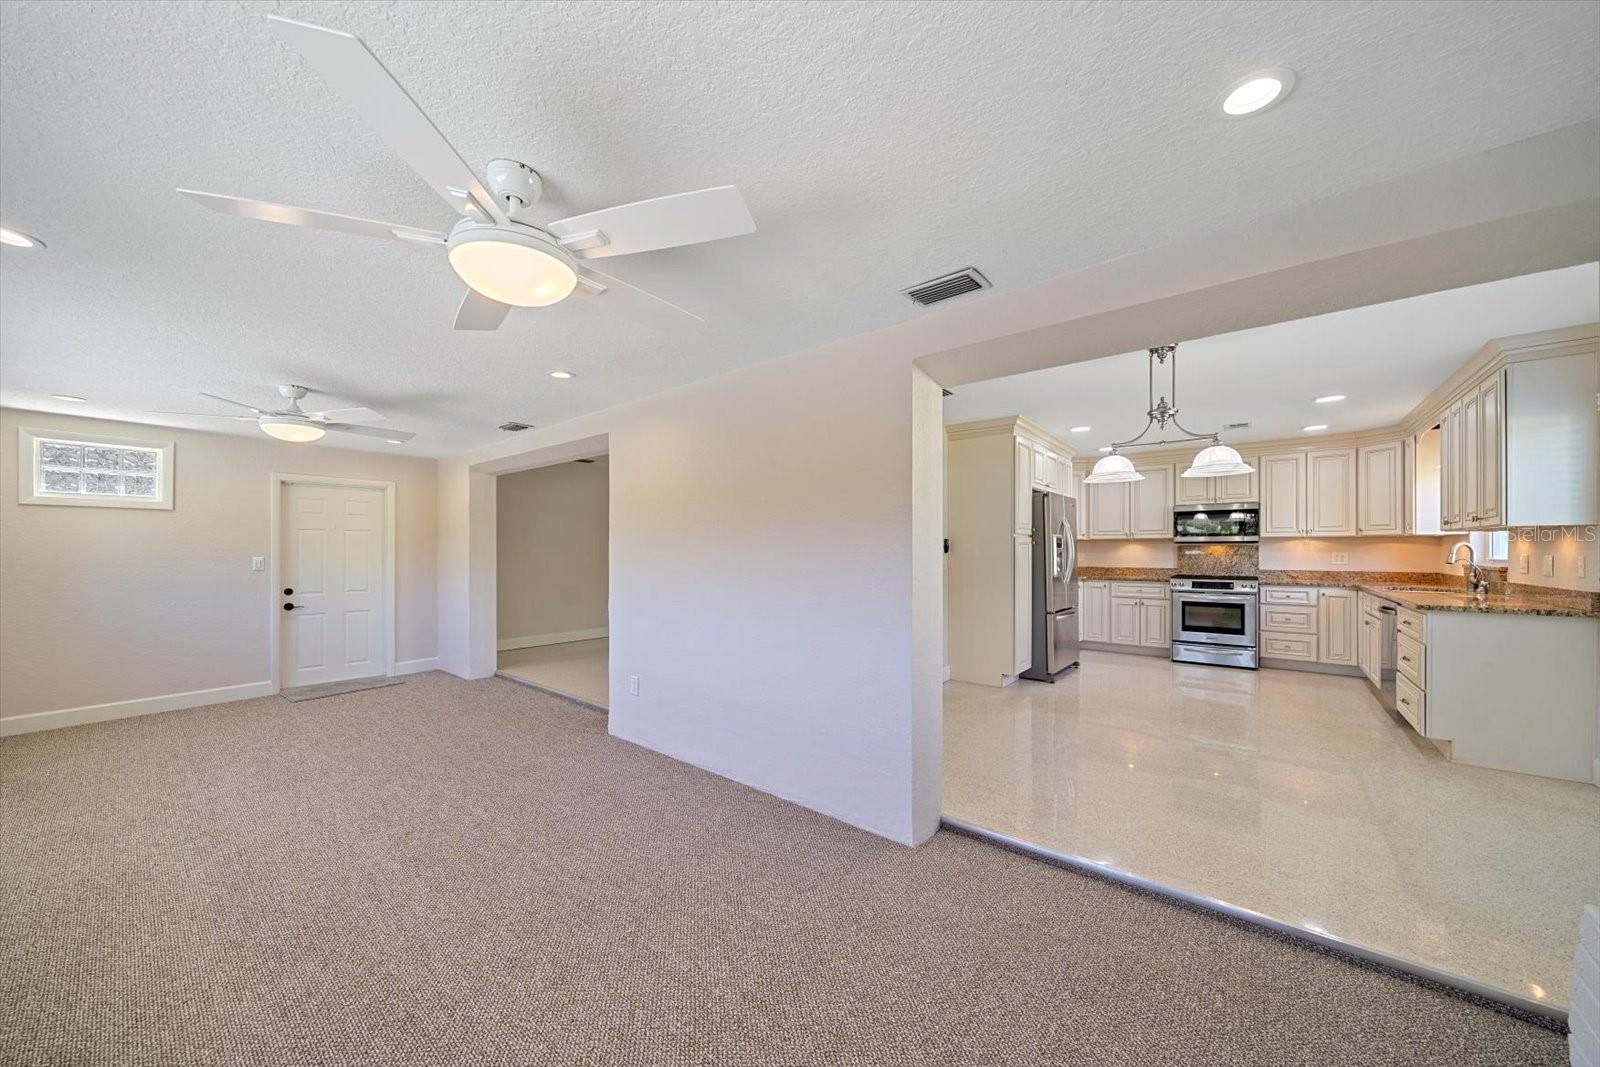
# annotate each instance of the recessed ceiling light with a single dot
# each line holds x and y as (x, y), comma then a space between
(1315, 427)
(64, 398)
(1080, 429)
(392, 441)
(1331, 399)
(562, 375)
(17, 239)
(1255, 93)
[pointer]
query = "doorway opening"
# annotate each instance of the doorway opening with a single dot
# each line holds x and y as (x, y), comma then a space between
(333, 568)
(552, 578)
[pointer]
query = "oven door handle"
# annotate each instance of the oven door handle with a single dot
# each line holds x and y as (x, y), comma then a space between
(1215, 598)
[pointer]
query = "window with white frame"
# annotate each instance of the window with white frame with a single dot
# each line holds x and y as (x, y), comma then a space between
(83, 470)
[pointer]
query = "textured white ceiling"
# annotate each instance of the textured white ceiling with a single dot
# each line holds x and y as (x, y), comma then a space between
(1384, 358)
(877, 145)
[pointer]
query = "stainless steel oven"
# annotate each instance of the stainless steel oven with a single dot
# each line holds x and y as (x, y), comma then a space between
(1214, 620)
(1212, 523)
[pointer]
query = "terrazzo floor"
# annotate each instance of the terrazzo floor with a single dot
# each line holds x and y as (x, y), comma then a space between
(577, 669)
(1292, 794)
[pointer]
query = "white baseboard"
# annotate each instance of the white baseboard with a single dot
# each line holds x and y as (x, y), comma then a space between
(417, 666)
(507, 643)
(127, 709)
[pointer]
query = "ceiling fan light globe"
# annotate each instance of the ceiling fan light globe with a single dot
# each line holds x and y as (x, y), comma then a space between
(1218, 461)
(520, 267)
(291, 430)
(1113, 468)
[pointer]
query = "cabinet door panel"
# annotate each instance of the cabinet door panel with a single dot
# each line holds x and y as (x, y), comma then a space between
(1337, 630)
(1283, 493)
(1022, 576)
(1470, 448)
(1108, 509)
(1125, 622)
(1491, 452)
(1195, 491)
(1379, 476)
(1450, 469)
(1238, 488)
(1154, 619)
(1023, 486)
(1150, 503)
(1094, 611)
(1331, 493)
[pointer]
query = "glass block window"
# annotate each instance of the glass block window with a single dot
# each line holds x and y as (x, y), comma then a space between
(94, 471)
(80, 468)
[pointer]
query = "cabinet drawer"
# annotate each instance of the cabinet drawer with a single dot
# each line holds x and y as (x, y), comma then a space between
(1140, 591)
(1289, 646)
(1282, 594)
(1408, 659)
(1289, 619)
(1409, 622)
(1409, 702)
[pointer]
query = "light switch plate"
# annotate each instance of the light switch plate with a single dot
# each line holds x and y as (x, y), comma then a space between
(1341, 557)
(1548, 567)
(633, 685)
(1583, 567)
(258, 563)
(1522, 563)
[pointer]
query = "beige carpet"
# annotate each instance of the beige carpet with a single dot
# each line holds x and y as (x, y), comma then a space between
(473, 872)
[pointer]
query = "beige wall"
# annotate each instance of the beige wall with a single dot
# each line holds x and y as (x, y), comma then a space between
(99, 605)
(552, 527)
(1569, 548)
(1299, 553)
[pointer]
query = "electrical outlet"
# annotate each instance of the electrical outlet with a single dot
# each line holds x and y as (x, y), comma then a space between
(1548, 567)
(258, 563)
(1583, 567)
(1522, 563)
(633, 685)
(1341, 557)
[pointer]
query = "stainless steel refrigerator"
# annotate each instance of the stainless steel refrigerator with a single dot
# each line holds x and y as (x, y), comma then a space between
(1055, 586)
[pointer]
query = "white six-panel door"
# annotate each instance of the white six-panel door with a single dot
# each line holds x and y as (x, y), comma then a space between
(333, 574)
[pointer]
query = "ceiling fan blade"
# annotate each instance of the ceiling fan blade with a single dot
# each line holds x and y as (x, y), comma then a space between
(206, 415)
(355, 73)
(665, 222)
(614, 280)
(316, 220)
(478, 312)
(235, 403)
(369, 431)
(358, 415)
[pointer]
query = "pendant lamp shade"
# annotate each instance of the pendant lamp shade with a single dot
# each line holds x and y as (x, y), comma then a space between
(1216, 462)
(1113, 468)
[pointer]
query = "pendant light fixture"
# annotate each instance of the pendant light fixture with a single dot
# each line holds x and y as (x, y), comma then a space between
(1218, 460)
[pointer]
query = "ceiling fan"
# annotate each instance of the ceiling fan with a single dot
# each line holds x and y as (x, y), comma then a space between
(505, 259)
(290, 423)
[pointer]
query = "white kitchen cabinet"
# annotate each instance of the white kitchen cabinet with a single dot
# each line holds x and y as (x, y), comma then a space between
(1450, 468)
(1309, 493)
(1331, 492)
(1491, 452)
(1124, 622)
(1370, 653)
(1283, 494)
(1094, 611)
(1107, 504)
(1468, 452)
(1155, 617)
(1338, 628)
(1022, 604)
(1232, 489)
(1022, 488)
(1380, 478)
(1150, 502)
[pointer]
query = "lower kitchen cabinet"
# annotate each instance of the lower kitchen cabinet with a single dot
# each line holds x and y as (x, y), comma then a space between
(1337, 626)
(1094, 611)
(1135, 613)
(1310, 625)
(1124, 622)
(1155, 618)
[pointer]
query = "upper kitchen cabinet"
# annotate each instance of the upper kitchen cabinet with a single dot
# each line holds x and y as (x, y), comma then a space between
(1519, 444)
(1380, 484)
(1231, 489)
(1124, 510)
(1308, 493)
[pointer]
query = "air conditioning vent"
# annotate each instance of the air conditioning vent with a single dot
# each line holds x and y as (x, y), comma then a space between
(968, 280)
(515, 427)
(1236, 426)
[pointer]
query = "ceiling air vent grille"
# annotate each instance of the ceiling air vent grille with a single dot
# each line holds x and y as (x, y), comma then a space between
(515, 427)
(1236, 426)
(961, 282)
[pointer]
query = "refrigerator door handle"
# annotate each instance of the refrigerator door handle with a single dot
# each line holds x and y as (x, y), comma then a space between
(1071, 542)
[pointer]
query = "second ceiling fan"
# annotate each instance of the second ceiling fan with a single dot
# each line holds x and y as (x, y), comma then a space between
(505, 260)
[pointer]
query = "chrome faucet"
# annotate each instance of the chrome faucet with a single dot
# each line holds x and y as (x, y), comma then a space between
(1475, 580)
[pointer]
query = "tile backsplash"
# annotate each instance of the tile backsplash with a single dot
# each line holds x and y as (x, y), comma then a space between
(1220, 560)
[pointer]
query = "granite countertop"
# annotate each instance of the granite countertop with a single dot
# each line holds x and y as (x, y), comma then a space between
(1440, 592)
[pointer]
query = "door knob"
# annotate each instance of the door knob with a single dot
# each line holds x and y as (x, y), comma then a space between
(288, 607)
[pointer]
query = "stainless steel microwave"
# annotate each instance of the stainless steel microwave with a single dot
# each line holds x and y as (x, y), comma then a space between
(1217, 523)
